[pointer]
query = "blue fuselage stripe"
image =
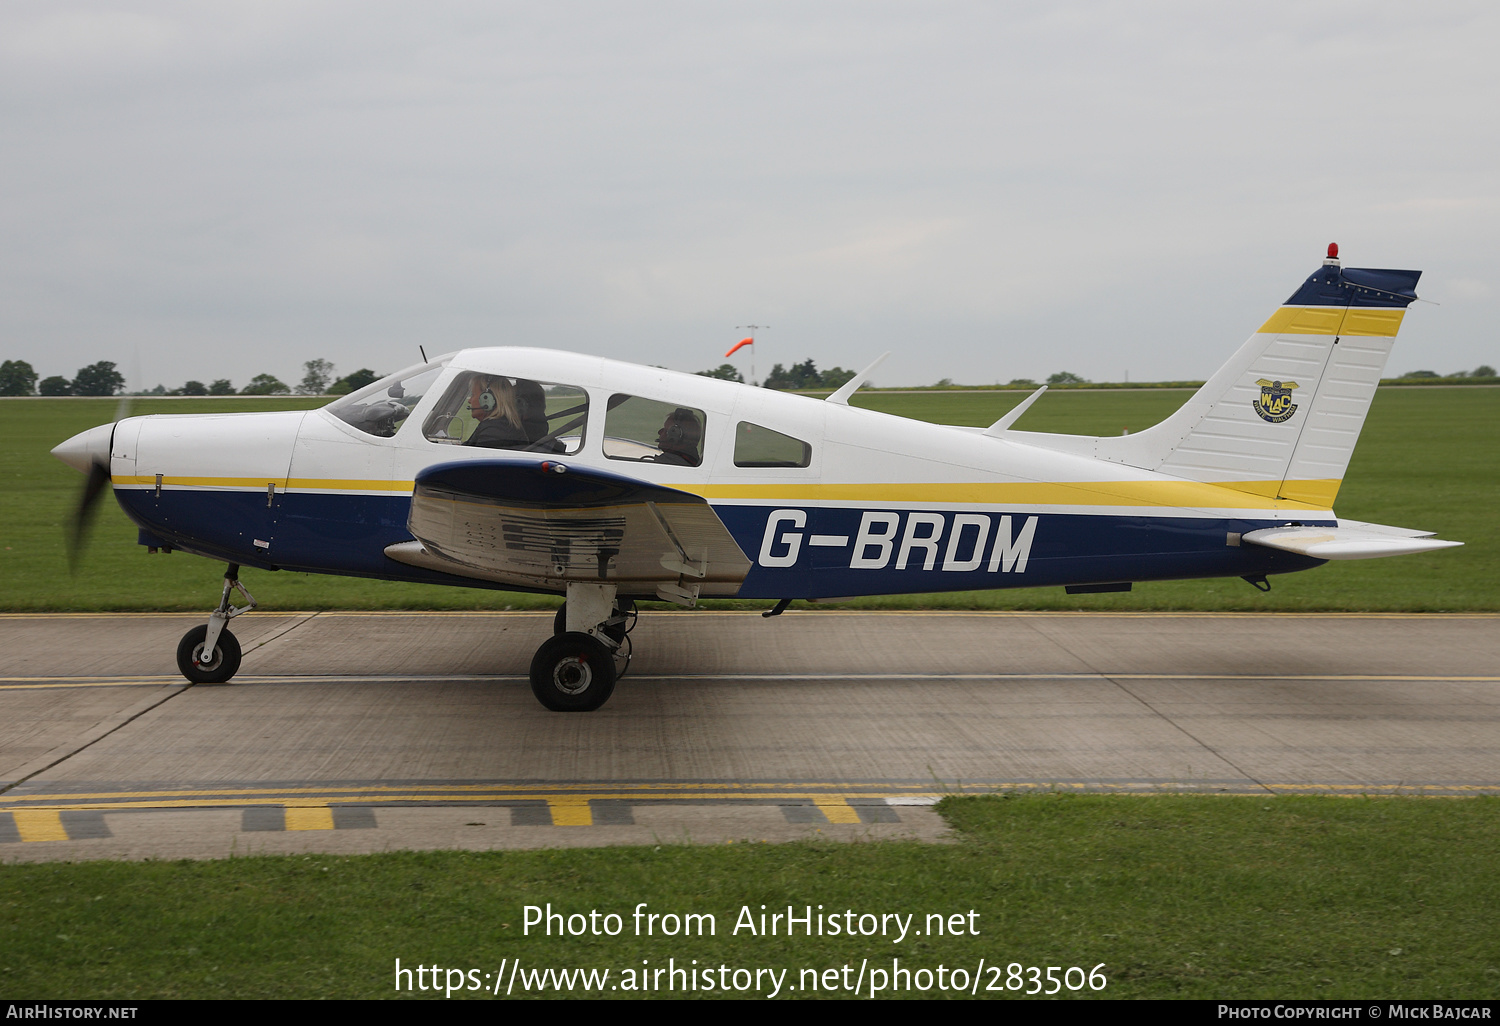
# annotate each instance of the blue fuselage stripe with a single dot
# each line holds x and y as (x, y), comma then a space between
(807, 552)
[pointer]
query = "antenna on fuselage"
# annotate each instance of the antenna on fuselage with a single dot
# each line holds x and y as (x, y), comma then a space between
(852, 385)
(423, 352)
(1002, 425)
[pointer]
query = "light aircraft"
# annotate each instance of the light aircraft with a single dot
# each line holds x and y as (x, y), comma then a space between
(606, 482)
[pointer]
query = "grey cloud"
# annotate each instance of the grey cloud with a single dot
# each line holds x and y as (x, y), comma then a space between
(992, 191)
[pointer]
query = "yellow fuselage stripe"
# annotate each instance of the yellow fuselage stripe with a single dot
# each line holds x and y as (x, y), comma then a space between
(1318, 492)
(259, 483)
(1174, 494)
(1296, 495)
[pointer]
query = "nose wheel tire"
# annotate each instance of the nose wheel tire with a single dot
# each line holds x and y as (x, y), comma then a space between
(572, 673)
(214, 669)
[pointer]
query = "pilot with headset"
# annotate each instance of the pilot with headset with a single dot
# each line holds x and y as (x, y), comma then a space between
(492, 402)
(679, 439)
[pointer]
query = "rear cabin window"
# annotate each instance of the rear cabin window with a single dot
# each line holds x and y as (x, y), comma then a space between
(648, 431)
(493, 411)
(756, 446)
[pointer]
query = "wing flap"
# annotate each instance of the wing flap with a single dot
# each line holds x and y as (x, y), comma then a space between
(1351, 539)
(542, 525)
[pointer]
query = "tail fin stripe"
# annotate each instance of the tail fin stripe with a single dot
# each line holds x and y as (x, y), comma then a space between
(1333, 320)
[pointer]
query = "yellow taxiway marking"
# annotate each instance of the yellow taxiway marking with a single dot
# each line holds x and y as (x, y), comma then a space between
(574, 810)
(837, 809)
(572, 795)
(570, 812)
(39, 825)
(309, 817)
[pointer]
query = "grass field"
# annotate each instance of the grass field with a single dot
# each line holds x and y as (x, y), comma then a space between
(1428, 458)
(1177, 896)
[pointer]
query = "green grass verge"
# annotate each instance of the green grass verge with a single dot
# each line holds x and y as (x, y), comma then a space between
(1427, 459)
(1179, 897)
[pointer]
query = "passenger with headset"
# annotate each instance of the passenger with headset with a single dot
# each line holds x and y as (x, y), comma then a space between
(679, 439)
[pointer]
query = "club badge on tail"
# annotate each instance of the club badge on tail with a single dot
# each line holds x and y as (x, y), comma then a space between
(1275, 403)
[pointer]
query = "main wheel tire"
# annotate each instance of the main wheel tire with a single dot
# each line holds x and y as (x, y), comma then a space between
(623, 607)
(224, 664)
(572, 673)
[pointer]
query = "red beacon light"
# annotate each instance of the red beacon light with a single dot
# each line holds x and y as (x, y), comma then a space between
(1333, 255)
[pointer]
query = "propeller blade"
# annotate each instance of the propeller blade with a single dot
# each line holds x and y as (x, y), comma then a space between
(83, 516)
(89, 451)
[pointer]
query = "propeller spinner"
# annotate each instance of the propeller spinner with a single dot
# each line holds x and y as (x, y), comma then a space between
(87, 451)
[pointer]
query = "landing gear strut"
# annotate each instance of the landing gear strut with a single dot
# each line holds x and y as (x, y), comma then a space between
(618, 626)
(210, 654)
(575, 670)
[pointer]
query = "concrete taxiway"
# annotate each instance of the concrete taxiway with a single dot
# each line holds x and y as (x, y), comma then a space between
(352, 732)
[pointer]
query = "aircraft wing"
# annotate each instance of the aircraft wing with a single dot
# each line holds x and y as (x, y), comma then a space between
(541, 524)
(1350, 540)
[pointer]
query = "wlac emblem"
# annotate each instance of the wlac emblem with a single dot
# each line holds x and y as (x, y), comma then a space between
(1275, 402)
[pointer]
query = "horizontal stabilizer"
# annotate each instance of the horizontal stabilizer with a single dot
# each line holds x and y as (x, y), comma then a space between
(1350, 540)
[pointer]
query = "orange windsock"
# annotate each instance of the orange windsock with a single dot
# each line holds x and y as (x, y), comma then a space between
(742, 343)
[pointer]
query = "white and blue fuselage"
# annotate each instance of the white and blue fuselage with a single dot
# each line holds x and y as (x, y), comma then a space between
(883, 505)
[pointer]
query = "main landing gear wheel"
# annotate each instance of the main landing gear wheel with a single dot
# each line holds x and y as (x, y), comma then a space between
(216, 669)
(572, 673)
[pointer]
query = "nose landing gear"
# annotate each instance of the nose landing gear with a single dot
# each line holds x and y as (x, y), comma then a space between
(210, 654)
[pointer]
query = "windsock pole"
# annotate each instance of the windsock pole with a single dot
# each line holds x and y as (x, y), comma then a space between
(750, 341)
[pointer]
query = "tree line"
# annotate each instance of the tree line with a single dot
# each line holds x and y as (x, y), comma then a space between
(17, 377)
(102, 379)
(805, 375)
(799, 376)
(1484, 370)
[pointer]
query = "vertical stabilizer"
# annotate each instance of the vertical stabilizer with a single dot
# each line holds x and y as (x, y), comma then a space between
(1281, 418)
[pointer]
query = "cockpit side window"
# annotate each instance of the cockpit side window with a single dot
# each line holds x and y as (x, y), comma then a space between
(381, 408)
(493, 411)
(648, 431)
(756, 446)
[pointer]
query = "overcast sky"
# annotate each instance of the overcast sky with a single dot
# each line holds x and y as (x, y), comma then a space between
(990, 190)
